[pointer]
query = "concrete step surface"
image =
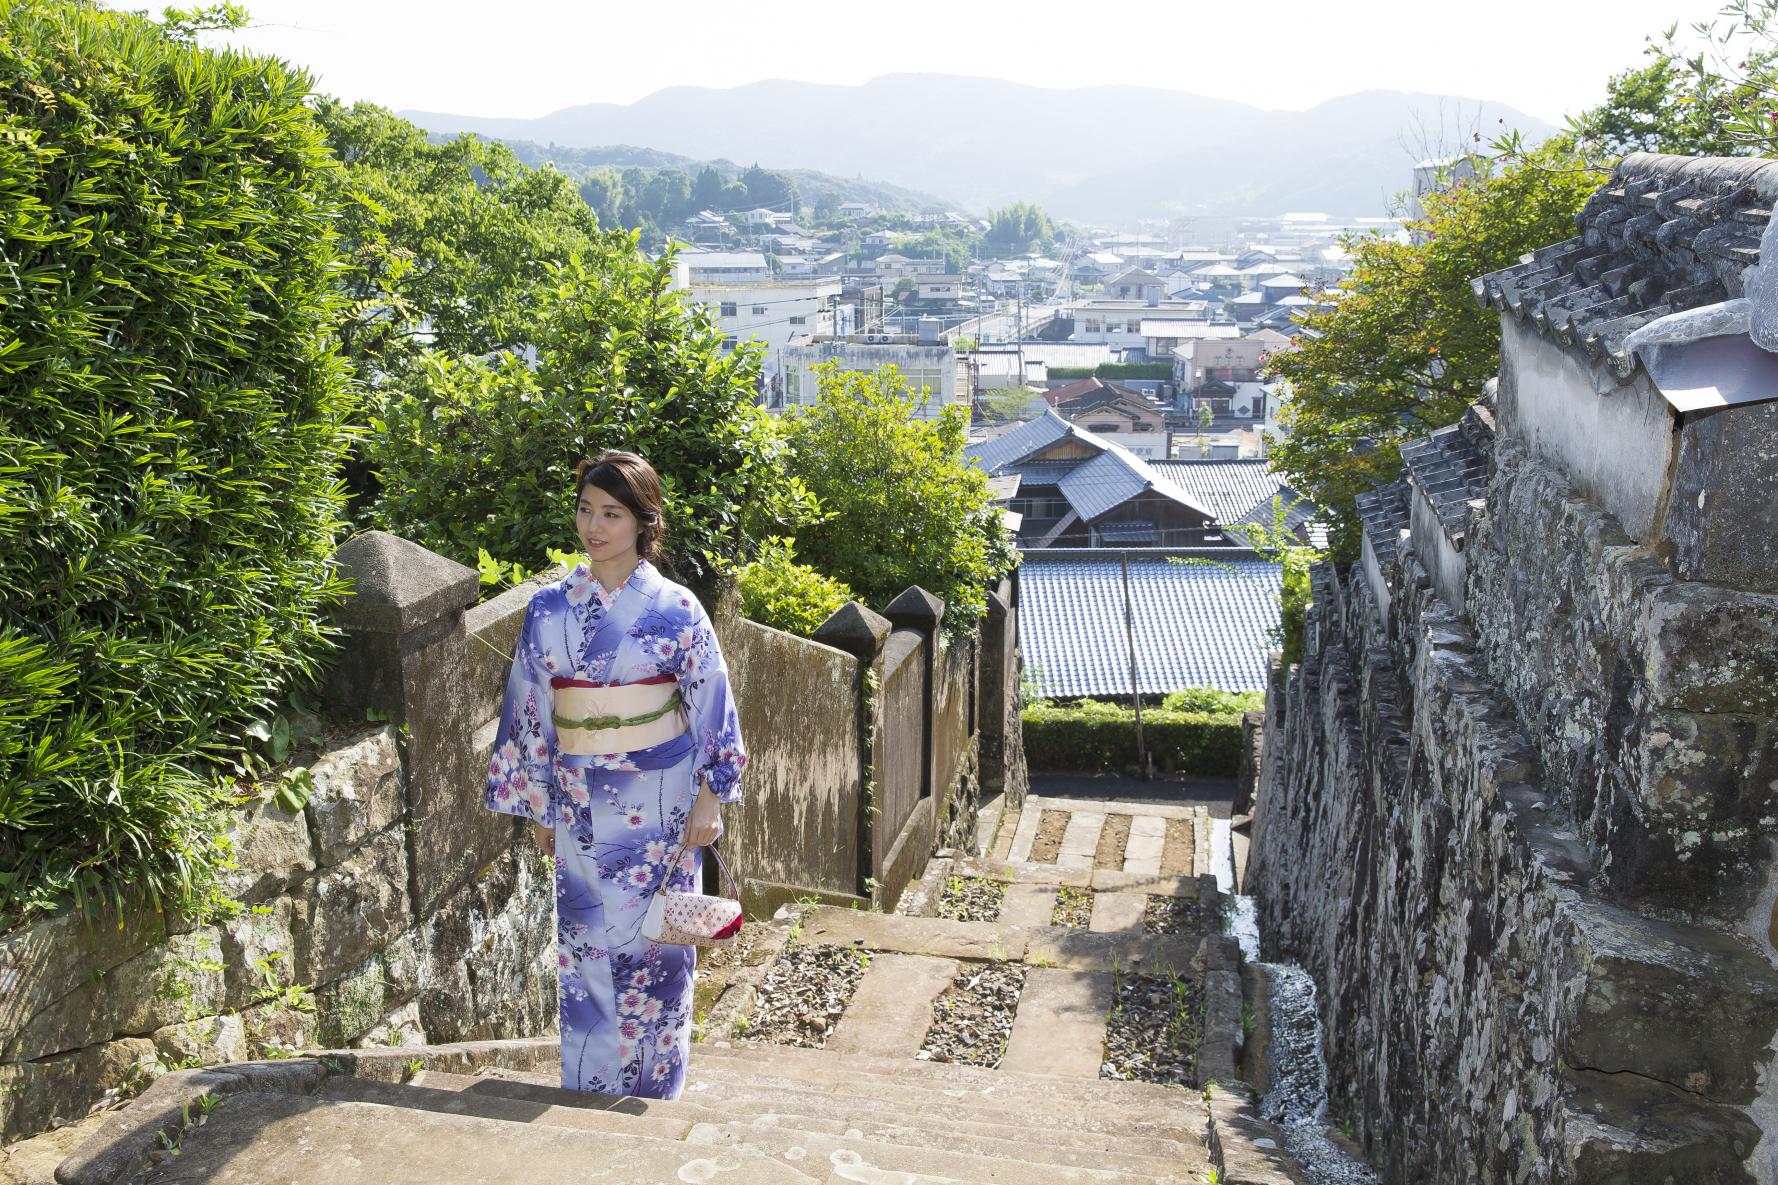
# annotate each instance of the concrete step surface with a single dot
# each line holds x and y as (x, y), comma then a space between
(1055, 1142)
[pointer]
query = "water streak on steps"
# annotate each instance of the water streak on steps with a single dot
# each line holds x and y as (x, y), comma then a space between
(1297, 1100)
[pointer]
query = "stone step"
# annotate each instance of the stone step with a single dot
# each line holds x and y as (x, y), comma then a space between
(1081, 841)
(1001, 1104)
(1049, 1143)
(1117, 913)
(891, 1008)
(744, 1092)
(282, 1139)
(1142, 854)
(1030, 906)
(1060, 1025)
(868, 1158)
(940, 937)
(458, 1094)
(791, 1061)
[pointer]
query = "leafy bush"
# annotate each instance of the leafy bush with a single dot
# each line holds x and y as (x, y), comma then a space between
(1094, 737)
(901, 504)
(172, 416)
(1213, 702)
(779, 592)
(475, 454)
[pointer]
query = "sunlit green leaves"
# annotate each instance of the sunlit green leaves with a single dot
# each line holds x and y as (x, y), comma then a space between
(171, 419)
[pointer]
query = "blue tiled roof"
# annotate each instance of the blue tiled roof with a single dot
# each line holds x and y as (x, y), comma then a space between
(1197, 625)
(1229, 488)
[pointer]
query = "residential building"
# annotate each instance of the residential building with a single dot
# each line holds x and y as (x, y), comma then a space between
(776, 311)
(1137, 285)
(940, 289)
(1199, 363)
(1116, 414)
(1078, 489)
(931, 370)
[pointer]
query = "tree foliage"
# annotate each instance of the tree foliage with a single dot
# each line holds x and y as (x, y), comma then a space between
(476, 453)
(901, 503)
(172, 415)
(1020, 227)
(447, 244)
(1403, 348)
(779, 592)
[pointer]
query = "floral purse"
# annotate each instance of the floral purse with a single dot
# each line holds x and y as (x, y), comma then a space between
(694, 919)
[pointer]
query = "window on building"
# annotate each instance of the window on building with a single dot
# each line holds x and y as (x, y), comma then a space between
(799, 320)
(728, 308)
(728, 343)
(759, 310)
(1132, 327)
(793, 386)
(1090, 325)
(1103, 427)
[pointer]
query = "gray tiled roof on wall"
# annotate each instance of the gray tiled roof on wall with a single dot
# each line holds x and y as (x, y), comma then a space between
(1197, 625)
(1384, 514)
(1229, 488)
(1666, 234)
(1450, 466)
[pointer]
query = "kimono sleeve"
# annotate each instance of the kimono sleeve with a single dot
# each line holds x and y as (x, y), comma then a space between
(521, 773)
(715, 722)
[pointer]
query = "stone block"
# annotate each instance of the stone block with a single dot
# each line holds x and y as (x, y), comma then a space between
(36, 1095)
(1721, 521)
(273, 851)
(1712, 649)
(207, 1041)
(259, 949)
(357, 792)
(352, 909)
(50, 959)
(178, 980)
(1672, 1003)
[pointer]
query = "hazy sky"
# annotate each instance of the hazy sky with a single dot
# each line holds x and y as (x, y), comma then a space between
(530, 57)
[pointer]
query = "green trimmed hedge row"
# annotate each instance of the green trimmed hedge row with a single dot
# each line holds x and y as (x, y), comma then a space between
(1115, 370)
(1096, 737)
(172, 418)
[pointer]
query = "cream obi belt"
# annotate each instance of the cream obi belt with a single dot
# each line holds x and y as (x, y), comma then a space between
(616, 719)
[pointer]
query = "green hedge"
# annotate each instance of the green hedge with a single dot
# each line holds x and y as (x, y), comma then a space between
(1115, 370)
(1096, 737)
(172, 415)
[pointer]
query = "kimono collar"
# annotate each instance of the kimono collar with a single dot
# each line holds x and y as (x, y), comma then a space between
(645, 578)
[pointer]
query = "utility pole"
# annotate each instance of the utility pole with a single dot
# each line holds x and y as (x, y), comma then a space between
(1135, 687)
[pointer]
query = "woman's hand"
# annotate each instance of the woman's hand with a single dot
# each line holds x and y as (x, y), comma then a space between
(546, 839)
(705, 823)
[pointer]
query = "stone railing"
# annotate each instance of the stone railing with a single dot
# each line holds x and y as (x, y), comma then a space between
(394, 908)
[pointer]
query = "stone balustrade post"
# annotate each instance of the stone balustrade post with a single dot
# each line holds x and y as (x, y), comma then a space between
(858, 631)
(405, 653)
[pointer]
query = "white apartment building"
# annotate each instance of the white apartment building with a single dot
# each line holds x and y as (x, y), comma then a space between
(931, 370)
(778, 311)
(1119, 323)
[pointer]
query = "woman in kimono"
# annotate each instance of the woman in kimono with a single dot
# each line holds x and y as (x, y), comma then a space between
(619, 739)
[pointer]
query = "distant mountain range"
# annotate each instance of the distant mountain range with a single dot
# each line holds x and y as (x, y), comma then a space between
(1099, 154)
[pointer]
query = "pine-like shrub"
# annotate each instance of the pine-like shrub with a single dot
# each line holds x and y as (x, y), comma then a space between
(171, 418)
(1097, 737)
(779, 592)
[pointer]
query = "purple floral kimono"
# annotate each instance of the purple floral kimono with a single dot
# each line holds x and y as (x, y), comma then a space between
(625, 1002)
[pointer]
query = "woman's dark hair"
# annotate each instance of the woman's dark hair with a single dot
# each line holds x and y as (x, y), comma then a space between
(633, 482)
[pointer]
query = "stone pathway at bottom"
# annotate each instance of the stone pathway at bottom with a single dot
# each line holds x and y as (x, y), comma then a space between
(876, 1104)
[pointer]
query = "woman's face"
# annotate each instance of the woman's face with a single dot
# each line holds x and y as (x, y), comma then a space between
(606, 527)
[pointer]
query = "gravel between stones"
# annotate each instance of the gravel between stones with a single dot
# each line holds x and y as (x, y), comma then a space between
(971, 899)
(1046, 845)
(1114, 840)
(1074, 907)
(804, 993)
(972, 1019)
(1173, 915)
(1152, 1032)
(1179, 849)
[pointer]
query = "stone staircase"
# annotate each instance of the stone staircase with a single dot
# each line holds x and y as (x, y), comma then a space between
(871, 1105)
